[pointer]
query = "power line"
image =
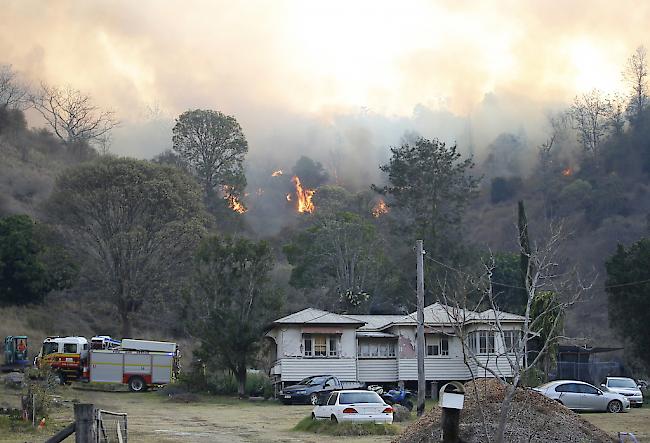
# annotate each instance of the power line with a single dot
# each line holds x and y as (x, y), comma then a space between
(633, 283)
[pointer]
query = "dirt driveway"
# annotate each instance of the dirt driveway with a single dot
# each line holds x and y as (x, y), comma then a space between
(154, 418)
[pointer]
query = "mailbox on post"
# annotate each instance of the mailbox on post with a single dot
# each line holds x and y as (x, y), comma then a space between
(452, 395)
(452, 398)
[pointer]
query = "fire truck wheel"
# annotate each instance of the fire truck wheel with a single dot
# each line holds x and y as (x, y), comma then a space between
(136, 384)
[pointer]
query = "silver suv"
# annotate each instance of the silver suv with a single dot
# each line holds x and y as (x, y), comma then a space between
(624, 386)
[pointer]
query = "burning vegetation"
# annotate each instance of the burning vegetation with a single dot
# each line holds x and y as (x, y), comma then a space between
(277, 173)
(380, 208)
(567, 172)
(233, 201)
(303, 197)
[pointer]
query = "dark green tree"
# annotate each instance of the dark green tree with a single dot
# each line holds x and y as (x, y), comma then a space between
(429, 183)
(311, 173)
(628, 289)
(507, 283)
(429, 188)
(341, 252)
(132, 224)
(29, 266)
(232, 302)
(214, 147)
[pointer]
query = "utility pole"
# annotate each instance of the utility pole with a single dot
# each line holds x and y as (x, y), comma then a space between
(420, 334)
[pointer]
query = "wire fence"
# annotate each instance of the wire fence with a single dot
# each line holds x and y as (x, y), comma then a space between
(112, 427)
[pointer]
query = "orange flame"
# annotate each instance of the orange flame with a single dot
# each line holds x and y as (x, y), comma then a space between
(380, 209)
(567, 172)
(233, 201)
(288, 197)
(235, 204)
(277, 173)
(304, 197)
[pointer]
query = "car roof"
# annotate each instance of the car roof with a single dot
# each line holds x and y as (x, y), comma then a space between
(347, 391)
(620, 378)
(571, 381)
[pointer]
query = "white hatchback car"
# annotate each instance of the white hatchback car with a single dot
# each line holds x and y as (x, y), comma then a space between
(354, 406)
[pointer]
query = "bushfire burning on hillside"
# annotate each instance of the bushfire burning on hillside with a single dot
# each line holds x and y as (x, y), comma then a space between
(303, 197)
(380, 209)
(233, 201)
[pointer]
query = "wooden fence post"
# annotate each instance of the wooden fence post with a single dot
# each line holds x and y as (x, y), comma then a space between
(85, 428)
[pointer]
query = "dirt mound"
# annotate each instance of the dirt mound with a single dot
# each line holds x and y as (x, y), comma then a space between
(532, 418)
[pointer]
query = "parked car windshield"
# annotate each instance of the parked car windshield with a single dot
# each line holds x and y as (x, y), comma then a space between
(347, 398)
(312, 381)
(621, 383)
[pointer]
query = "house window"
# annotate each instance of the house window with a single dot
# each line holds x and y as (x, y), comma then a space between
(308, 350)
(481, 342)
(444, 346)
(511, 340)
(438, 346)
(376, 349)
(486, 342)
(321, 345)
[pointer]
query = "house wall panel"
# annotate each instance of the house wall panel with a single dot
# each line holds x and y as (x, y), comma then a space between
(377, 370)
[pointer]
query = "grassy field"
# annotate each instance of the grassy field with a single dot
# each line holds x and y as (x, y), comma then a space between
(636, 421)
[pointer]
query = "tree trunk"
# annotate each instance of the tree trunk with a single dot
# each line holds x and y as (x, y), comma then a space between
(241, 381)
(126, 324)
(503, 414)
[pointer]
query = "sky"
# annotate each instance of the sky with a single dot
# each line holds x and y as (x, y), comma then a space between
(320, 76)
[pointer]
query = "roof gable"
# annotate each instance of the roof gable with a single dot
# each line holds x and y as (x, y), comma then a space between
(317, 316)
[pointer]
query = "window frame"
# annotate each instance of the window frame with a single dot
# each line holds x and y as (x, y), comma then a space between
(325, 350)
(385, 349)
(482, 342)
(439, 343)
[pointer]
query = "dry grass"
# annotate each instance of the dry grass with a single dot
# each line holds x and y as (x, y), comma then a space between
(636, 421)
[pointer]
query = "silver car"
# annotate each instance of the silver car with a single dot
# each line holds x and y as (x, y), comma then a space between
(582, 396)
(626, 387)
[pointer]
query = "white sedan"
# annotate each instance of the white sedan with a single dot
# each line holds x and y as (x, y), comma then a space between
(581, 396)
(354, 406)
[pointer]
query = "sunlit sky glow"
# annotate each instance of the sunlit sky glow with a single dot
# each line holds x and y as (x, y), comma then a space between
(321, 57)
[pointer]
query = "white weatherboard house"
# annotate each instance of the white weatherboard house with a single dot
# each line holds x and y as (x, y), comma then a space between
(381, 348)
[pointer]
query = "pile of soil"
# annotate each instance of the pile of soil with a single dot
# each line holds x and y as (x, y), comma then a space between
(532, 418)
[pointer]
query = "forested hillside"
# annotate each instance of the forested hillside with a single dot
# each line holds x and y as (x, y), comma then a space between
(139, 240)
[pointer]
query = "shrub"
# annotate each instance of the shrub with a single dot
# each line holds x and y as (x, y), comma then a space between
(222, 382)
(308, 424)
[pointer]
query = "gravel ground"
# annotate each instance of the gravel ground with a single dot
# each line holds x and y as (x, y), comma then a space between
(532, 418)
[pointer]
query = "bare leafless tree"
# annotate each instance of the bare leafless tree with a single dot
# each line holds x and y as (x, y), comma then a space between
(72, 115)
(591, 115)
(13, 93)
(549, 294)
(636, 75)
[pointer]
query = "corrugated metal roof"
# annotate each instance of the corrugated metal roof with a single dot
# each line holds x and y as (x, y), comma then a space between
(316, 316)
(439, 313)
(375, 322)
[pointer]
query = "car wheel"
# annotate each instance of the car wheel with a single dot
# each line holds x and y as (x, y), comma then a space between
(136, 384)
(334, 419)
(614, 406)
(313, 399)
